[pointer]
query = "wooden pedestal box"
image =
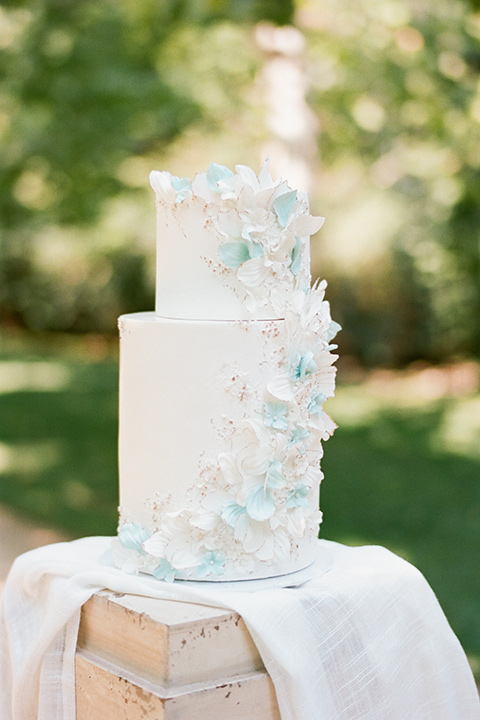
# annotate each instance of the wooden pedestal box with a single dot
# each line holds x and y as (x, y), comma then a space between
(145, 659)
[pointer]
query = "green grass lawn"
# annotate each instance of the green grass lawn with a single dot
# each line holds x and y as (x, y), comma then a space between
(58, 437)
(403, 469)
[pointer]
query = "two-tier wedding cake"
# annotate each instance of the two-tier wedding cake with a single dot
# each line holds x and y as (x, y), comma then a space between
(222, 387)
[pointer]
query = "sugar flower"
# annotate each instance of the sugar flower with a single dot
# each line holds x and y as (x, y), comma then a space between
(237, 252)
(260, 505)
(276, 415)
(164, 571)
(132, 536)
(212, 563)
(315, 406)
(299, 435)
(283, 206)
(231, 511)
(298, 496)
(274, 477)
(130, 561)
(160, 182)
(302, 365)
(182, 187)
(217, 175)
(255, 536)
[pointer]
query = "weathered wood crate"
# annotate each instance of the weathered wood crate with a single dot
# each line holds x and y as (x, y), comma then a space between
(141, 658)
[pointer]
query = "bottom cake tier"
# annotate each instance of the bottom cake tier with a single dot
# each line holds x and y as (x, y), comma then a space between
(219, 476)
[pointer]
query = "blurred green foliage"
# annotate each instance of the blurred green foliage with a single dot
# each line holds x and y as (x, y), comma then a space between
(81, 92)
(93, 95)
(396, 89)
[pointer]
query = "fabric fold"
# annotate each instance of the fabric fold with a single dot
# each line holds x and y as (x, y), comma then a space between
(358, 636)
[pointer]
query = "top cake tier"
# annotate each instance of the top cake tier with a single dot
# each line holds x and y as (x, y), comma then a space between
(230, 245)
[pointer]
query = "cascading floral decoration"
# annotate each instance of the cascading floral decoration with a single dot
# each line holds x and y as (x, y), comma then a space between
(254, 501)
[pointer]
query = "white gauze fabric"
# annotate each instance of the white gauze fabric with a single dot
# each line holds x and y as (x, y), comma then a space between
(364, 639)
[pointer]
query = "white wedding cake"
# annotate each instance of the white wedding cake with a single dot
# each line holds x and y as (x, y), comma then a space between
(222, 387)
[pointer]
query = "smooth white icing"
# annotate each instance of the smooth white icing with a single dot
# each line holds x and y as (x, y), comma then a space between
(186, 247)
(177, 401)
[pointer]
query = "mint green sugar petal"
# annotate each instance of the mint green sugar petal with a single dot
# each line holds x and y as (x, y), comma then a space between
(301, 433)
(213, 563)
(255, 249)
(231, 511)
(182, 187)
(333, 329)
(296, 256)
(283, 206)
(180, 184)
(132, 536)
(298, 496)
(164, 571)
(260, 504)
(234, 253)
(216, 173)
(275, 478)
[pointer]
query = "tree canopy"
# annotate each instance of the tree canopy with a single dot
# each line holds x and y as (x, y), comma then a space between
(92, 95)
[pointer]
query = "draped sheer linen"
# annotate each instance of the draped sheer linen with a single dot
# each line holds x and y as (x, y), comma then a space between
(357, 636)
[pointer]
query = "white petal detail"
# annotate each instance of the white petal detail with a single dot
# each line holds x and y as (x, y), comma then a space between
(306, 225)
(255, 460)
(282, 546)
(207, 521)
(324, 424)
(266, 551)
(160, 182)
(281, 387)
(251, 534)
(248, 176)
(201, 188)
(155, 545)
(230, 224)
(253, 272)
(180, 555)
(229, 468)
(130, 561)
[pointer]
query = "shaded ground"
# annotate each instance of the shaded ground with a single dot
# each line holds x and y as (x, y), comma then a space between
(18, 536)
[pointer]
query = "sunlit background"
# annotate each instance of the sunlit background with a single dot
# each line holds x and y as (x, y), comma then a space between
(373, 106)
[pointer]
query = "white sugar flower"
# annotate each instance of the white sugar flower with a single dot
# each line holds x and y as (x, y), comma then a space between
(316, 368)
(176, 540)
(130, 561)
(170, 188)
(324, 424)
(256, 537)
(296, 522)
(250, 180)
(162, 186)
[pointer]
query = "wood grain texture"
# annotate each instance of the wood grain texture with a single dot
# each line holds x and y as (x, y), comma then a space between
(167, 642)
(105, 692)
